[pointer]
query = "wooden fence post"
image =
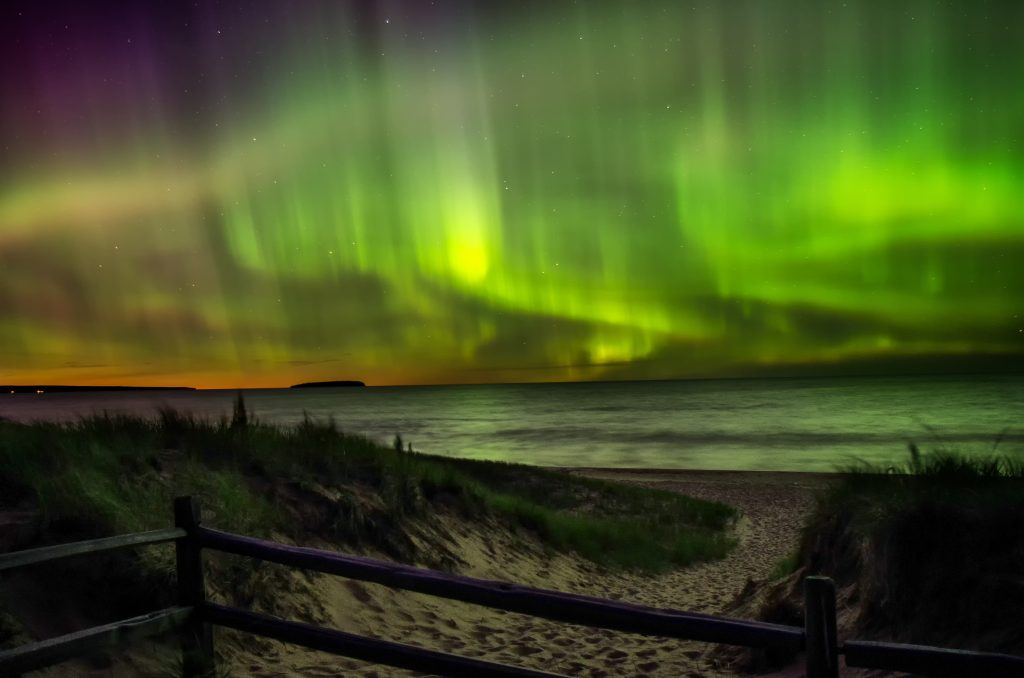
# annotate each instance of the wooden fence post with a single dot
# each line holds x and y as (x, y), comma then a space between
(197, 636)
(820, 627)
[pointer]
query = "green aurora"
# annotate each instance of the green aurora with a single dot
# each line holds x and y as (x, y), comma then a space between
(412, 193)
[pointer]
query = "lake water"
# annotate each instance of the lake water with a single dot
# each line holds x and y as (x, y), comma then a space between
(767, 424)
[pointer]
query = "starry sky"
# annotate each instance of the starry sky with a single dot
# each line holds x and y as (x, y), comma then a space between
(245, 194)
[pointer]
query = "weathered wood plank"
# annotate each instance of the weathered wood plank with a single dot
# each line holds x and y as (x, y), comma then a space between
(931, 661)
(55, 650)
(565, 607)
(359, 647)
(15, 559)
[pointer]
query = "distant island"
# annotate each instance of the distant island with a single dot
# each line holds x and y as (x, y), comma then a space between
(328, 384)
(64, 388)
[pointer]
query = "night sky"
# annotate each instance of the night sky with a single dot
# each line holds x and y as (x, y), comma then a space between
(262, 193)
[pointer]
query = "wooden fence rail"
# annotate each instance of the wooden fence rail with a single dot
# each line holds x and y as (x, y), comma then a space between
(108, 636)
(555, 605)
(194, 616)
(930, 661)
(9, 561)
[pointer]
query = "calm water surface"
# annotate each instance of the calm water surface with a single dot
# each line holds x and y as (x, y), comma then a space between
(777, 424)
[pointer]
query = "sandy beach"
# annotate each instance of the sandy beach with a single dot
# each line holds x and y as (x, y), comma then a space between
(772, 504)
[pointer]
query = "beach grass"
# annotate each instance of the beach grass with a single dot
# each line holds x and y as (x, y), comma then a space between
(110, 473)
(934, 548)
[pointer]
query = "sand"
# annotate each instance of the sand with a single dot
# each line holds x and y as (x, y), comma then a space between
(773, 507)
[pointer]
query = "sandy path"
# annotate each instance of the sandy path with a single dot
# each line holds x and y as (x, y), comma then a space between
(773, 506)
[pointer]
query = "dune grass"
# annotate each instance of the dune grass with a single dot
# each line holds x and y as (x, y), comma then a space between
(109, 474)
(934, 547)
(943, 475)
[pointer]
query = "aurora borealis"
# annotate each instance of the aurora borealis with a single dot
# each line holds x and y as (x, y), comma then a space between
(257, 194)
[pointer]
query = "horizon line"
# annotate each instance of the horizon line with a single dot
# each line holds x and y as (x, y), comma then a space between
(751, 377)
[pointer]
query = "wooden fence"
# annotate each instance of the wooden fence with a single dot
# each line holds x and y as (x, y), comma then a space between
(194, 616)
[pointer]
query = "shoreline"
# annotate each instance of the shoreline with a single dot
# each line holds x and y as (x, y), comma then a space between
(704, 475)
(729, 487)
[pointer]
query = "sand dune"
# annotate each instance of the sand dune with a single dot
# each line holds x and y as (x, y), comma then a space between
(773, 506)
